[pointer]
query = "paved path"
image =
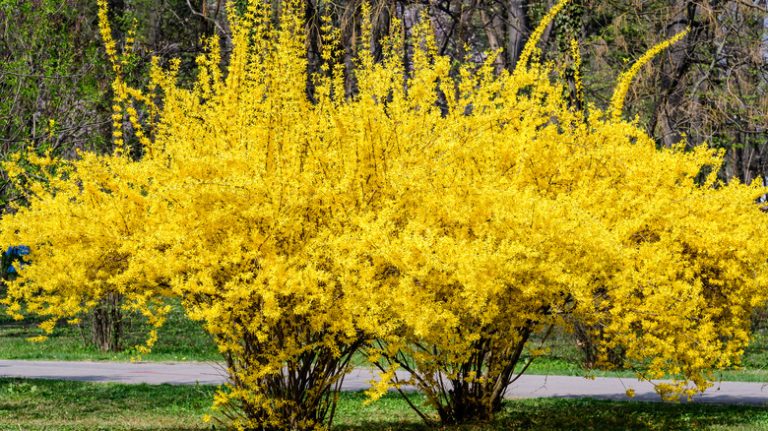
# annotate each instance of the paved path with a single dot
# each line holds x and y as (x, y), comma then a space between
(183, 373)
(529, 386)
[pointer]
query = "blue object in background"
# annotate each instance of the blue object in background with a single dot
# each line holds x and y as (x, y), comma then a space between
(14, 254)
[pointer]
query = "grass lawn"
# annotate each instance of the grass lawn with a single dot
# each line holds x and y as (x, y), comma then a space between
(62, 405)
(59, 405)
(179, 340)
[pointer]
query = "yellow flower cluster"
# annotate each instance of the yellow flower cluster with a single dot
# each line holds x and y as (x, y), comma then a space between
(439, 216)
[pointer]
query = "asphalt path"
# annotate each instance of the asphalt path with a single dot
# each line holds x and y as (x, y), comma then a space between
(528, 386)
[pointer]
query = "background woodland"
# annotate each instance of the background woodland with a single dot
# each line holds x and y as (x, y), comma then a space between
(712, 87)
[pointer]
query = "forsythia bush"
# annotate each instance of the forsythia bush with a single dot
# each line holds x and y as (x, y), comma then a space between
(438, 217)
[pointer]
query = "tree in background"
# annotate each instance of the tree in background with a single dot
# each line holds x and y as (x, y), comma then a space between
(54, 77)
(52, 81)
(710, 88)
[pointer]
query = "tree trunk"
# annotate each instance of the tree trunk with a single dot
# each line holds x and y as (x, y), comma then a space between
(494, 31)
(108, 324)
(667, 116)
(517, 31)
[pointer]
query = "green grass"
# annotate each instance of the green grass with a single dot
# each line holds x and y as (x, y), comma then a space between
(180, 339)
(37, 405)
(61, 405)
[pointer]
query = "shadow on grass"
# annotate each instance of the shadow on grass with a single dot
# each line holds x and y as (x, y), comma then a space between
(561, 414)
(587, 414)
